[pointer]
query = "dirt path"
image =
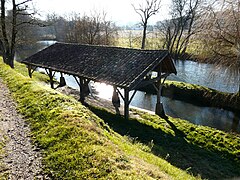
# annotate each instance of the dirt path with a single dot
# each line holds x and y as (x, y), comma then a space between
(21, 159)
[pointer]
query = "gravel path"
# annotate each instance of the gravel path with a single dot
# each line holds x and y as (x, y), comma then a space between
(21, 159)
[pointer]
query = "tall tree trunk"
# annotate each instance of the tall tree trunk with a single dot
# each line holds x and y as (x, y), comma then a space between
(144, 35)
(14, 33)
(8, 48)
(5, 44)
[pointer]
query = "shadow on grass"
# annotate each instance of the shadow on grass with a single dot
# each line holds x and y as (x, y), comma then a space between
(175, 149)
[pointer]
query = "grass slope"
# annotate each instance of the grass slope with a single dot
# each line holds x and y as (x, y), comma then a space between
(200, 150)
(203, 95)
(77, 144)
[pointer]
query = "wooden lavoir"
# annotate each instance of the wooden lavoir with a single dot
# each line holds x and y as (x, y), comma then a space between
(123, 68)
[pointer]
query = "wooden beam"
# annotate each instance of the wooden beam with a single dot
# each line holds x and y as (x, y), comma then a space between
(116, 100)
(132, 96)
(159, 106)
(120, 94)
(146, 82)
(126, 103)
(82, 98)
(31, 70)
(51, 75)
(83, 85)
(80, 84)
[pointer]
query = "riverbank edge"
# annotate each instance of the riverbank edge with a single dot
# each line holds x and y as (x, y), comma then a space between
(74, 139)
(198, 95)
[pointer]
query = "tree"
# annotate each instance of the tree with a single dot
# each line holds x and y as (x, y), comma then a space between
(10, 27)
(94, 29)
(222, 36)
(145, 12)
(56, 26)
(181, 27)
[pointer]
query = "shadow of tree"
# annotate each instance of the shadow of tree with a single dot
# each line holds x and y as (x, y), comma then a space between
(175, 149)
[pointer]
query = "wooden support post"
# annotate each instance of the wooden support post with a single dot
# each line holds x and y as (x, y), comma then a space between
(82, 98)
(51, 75)
(62, 81)
(159, 107)
(29, 71)
(126, 103)
(116, 100)
(83, 86)
(51, 78)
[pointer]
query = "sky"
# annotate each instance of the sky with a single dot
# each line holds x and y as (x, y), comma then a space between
(119, 11)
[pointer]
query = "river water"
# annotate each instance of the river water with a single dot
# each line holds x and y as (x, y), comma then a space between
(188, 71)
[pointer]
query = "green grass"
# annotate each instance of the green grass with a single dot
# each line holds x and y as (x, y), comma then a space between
(202, 95)
(203, 151)
(78, 144)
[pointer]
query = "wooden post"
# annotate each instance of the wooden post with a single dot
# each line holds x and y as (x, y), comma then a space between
(126, 103)
(62, 81)
(82, 98)
(116, 100)
(29, 71)
(51, 78)
(159, 107)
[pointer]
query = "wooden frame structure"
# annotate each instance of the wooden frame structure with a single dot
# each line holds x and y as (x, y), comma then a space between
(123, 68)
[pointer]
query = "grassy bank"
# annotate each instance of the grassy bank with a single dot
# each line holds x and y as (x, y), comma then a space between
(203, 151)
(198, 95)
(78, 144)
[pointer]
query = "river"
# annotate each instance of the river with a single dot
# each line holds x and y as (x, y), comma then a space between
(188, 71)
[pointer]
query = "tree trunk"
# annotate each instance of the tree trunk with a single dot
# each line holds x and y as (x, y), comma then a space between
(9, 59)
(239, 85)
(8, 47)
(144, 35)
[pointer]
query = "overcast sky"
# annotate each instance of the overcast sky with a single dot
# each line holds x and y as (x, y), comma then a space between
(119, 11)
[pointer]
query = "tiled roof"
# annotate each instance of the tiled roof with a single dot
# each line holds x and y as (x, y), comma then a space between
(122, 67)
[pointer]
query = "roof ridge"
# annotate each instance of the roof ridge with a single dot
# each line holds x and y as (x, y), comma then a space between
(114, 47)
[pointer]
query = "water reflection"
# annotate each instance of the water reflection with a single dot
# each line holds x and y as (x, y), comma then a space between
(206, 75)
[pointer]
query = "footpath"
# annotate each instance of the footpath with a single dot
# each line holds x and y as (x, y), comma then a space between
(20, 159)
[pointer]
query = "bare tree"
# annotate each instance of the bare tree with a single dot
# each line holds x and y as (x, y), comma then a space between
(150, 8)
(94, 29)
(222, 36)
(181, 27)
(11, 24)
(55, 26)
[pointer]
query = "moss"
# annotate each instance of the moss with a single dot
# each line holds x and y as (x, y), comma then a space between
(76, 143)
